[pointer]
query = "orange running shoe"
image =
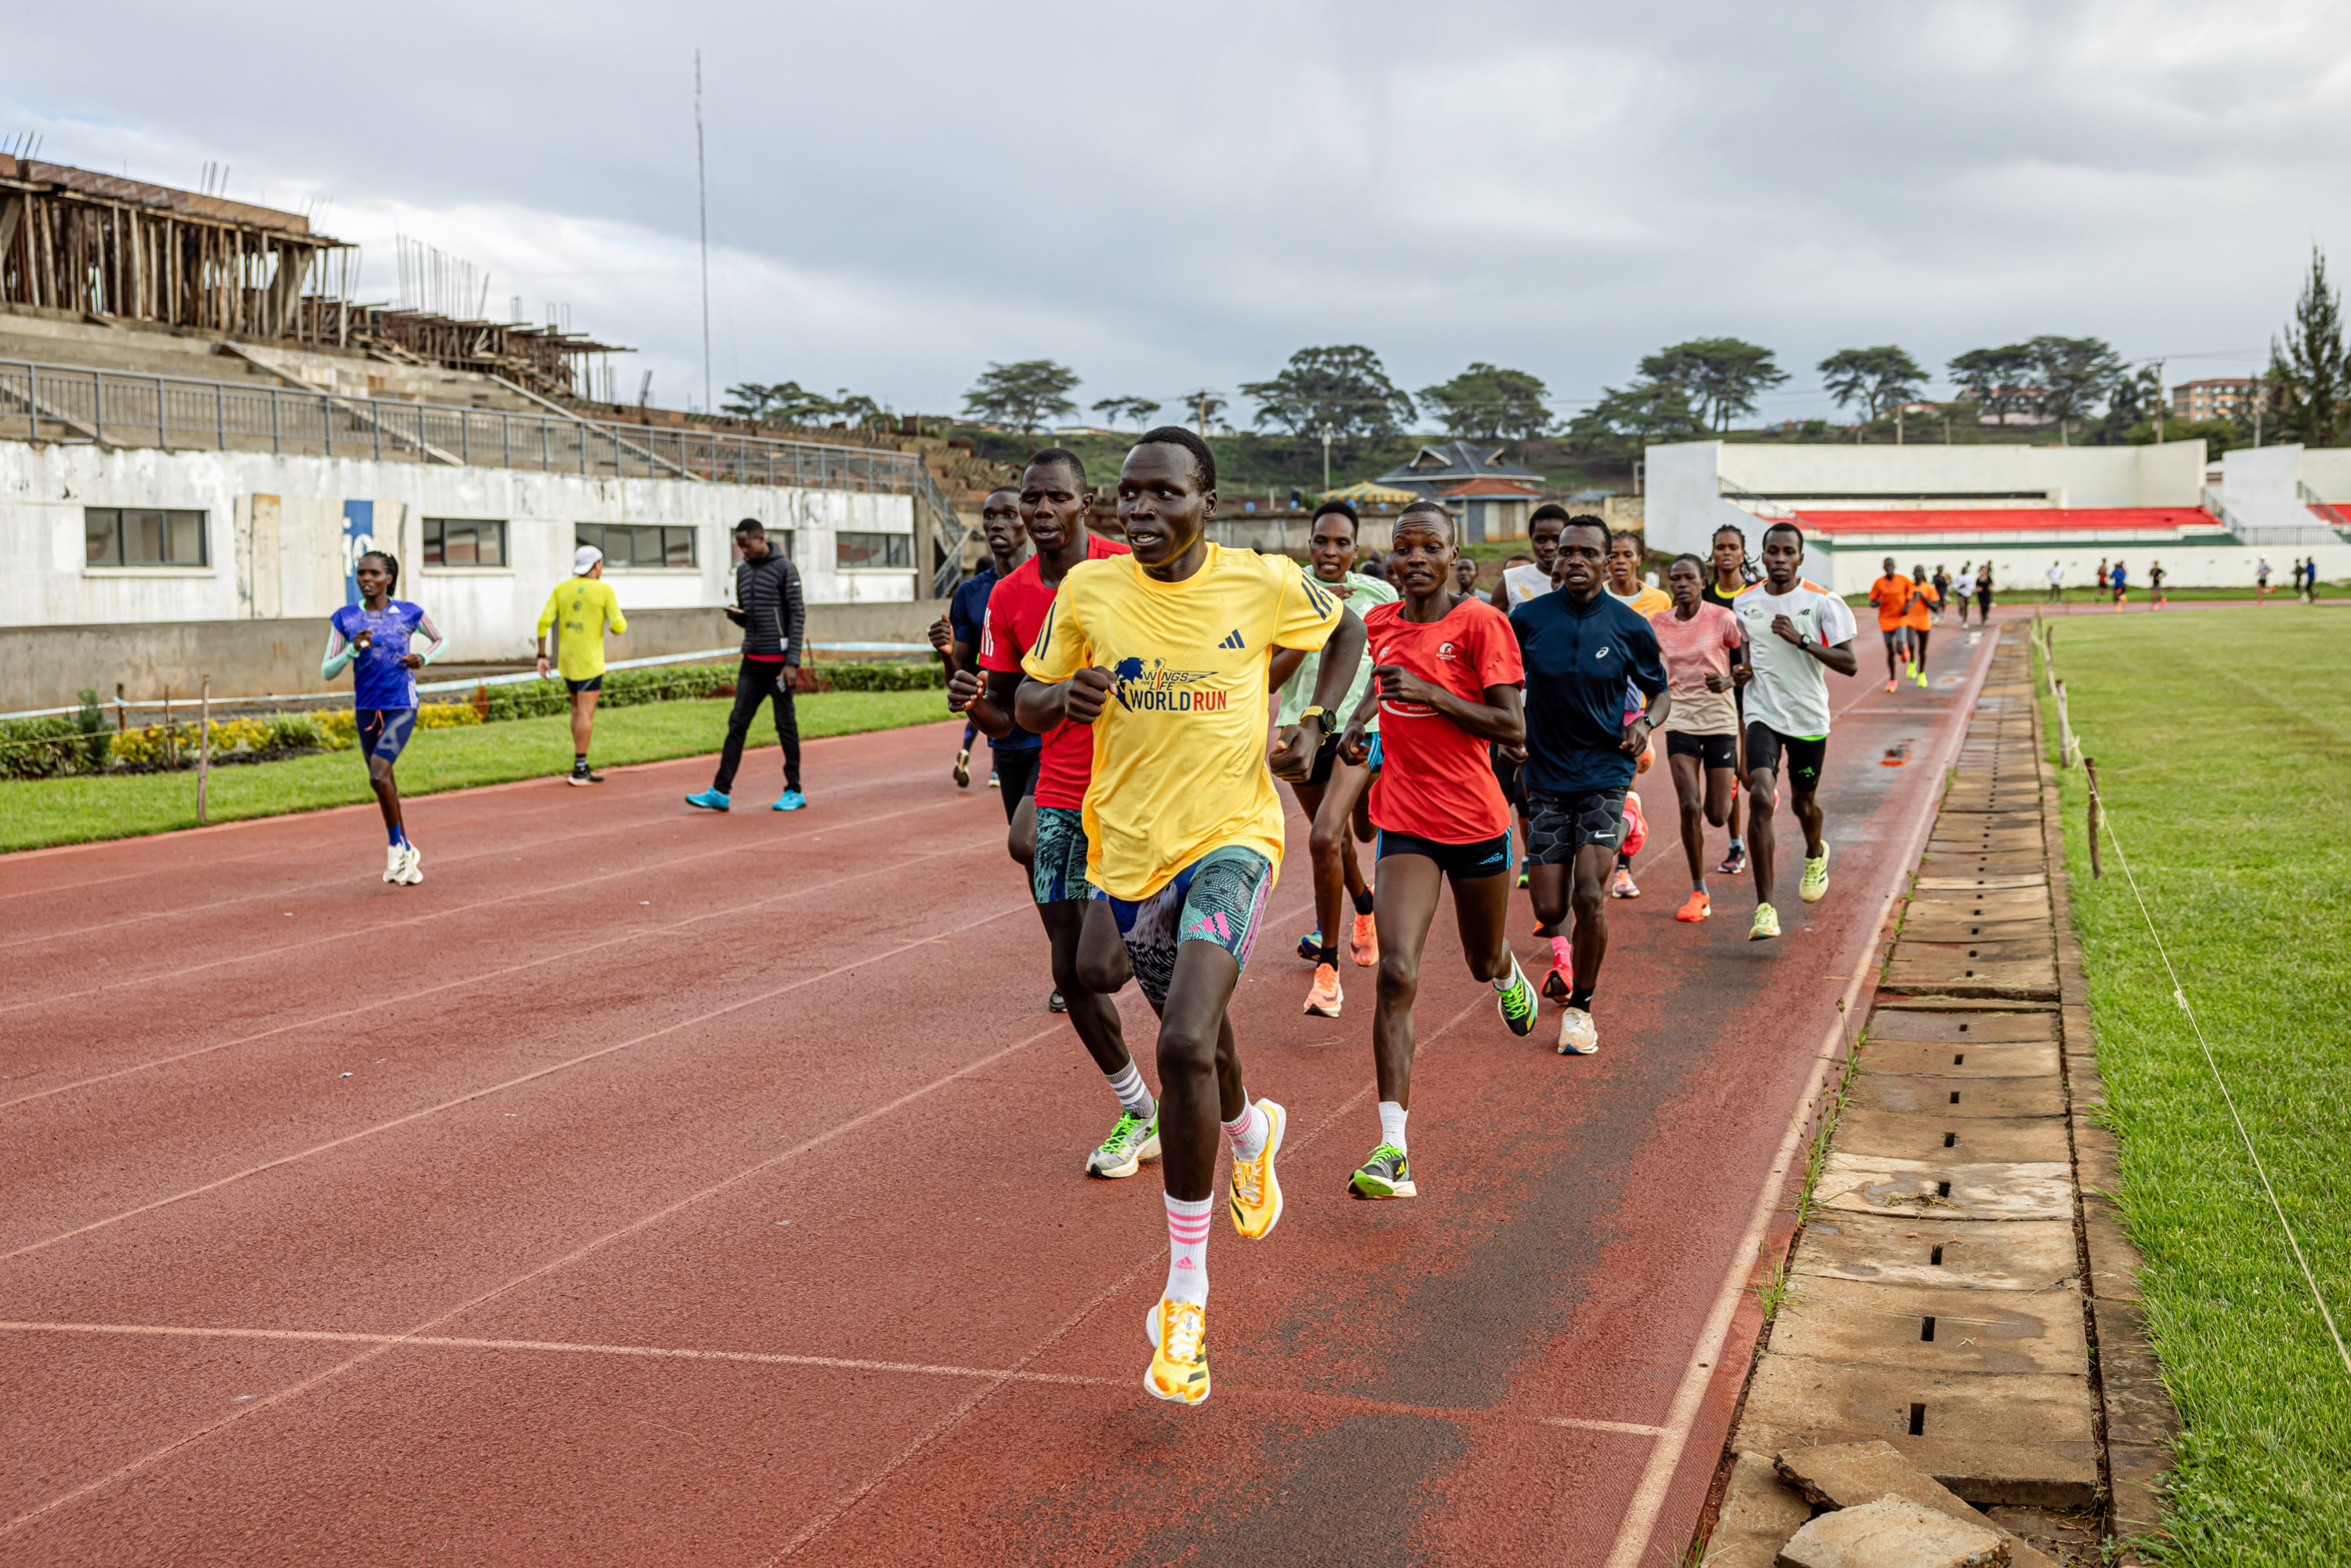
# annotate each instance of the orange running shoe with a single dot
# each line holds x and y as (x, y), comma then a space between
(1179, 1351)
(1256, 1196)
(1366, 941)
(1636, 824)
(1697, 908)
(1322, 998)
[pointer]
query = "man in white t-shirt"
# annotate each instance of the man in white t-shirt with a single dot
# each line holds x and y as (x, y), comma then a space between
(1521, 583)
(1794, 632)
(2056, 581)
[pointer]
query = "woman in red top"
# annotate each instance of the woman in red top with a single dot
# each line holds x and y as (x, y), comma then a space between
(1446, 674)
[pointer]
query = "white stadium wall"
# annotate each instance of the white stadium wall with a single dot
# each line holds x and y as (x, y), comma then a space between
(277, 530)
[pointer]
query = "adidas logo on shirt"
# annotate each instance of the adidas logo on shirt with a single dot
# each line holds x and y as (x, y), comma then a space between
(1233, 641)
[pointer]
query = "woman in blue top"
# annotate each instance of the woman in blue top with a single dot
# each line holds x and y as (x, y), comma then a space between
(375, 638)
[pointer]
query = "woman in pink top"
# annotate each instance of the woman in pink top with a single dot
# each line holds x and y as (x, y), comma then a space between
(1699, 640)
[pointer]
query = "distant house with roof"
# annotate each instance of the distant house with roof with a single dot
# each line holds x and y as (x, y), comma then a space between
(1491, 498)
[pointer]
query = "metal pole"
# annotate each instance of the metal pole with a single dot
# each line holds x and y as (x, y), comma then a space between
(203, 745)
(274, 437)
(220, 417)
(702, 201)
(96, 409)
(162, 435)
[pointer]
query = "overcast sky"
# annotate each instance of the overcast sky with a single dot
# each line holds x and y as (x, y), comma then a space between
(1164, 197)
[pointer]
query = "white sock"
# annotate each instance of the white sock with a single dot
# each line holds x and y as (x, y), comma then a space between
(1134, 1095)
(1505, 982)
(1187, 1250)
(1392, 1118)
(1248, 1133)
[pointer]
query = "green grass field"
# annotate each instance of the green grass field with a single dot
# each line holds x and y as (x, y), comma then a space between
(33, 812)
(2224, 746)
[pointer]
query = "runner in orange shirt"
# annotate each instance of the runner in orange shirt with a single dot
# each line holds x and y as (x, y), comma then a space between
(1919, 620)
(1891, 594)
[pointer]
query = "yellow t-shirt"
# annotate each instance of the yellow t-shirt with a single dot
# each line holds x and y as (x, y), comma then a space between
(586, 606)
(1179, 749)
(1647, 602)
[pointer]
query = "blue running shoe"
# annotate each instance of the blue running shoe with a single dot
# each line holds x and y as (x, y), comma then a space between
(708, 800)
(789, 800)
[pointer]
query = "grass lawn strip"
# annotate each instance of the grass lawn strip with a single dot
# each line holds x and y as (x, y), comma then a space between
(2224, 746)
(41, 811)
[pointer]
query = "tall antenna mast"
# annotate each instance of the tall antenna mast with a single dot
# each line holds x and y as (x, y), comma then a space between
(702, 198)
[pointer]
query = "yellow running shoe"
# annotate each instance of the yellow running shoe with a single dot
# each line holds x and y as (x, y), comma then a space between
(1767, 924)
(1256, 1191)
(1816, 886)
(1179, 1351)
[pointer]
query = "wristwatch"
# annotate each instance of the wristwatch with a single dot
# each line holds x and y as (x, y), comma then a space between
(1318, 713)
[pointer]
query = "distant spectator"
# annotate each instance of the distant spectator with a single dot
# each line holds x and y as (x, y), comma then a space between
(580, 612)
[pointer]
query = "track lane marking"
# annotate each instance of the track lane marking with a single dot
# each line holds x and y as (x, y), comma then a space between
(633, 935)
(1698, 1373)
(157, 977)
(472, 1095)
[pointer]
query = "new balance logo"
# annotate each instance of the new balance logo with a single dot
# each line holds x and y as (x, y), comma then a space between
(1232, 640)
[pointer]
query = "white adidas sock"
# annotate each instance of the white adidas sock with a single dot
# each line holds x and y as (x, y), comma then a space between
(1187, 1250)
(1248, 1133)
(1392, 1118)
(1505, 982)
(1133, 1093)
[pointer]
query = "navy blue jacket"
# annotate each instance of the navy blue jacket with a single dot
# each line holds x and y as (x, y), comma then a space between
(1579, 659)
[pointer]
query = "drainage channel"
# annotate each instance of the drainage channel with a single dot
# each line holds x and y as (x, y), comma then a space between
(1935, 1327)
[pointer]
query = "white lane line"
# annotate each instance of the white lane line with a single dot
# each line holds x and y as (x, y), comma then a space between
(1665, 1459)
(1631, 1429)
(467, 1098)
(633, 935)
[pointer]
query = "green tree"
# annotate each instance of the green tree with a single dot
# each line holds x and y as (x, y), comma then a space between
(1720, 376)
(1485, 402)
(1021, 395)
(747, 399)
(1878, 379)
(2309, 378)
(2071, 374)
(1344, 386)
(2000, 378)
(1203, 408)
(1646, 411)
(789, 403)
(1133, 411)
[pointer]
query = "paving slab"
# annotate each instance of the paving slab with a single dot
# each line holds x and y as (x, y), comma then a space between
(1923, 923)
(1963, 1057)
(2025, 1439)
(1991, 1027)
(2139, 1407)
(1940, 1254)
(1947, 839)
(1758, 1513)
(1917, 964)
(2028, 902)
(1853, 1475)
(1894, 1532)
(2021, 1189)
(1942, 1097)
(1942, 881)
(2007, 1333)
(1868, 1130)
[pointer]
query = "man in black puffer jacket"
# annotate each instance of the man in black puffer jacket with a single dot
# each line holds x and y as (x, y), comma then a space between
(767, 607)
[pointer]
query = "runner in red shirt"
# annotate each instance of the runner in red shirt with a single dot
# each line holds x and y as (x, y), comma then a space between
(1049, 831)
(1446, 676)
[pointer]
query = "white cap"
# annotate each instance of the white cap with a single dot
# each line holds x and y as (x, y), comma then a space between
(584, 559)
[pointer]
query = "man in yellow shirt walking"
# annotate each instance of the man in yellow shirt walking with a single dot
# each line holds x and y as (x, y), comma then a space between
(1164, 653)
(581, 609)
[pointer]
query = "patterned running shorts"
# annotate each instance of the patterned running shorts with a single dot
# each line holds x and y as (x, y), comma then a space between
(1057, 874)
(1218, 898)
(1558, 825)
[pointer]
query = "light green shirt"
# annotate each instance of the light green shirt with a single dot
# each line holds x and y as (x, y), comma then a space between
(1359, 594)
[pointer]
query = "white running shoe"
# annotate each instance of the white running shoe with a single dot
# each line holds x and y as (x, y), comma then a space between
(393, 860)
(1577, 1036)
(411, 866)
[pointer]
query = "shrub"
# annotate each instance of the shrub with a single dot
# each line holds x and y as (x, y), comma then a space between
(41, 747)
(896, 675)
(91, 720)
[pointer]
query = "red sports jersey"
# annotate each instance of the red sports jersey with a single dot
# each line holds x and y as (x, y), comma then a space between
(1436, 780)
(1016, 610)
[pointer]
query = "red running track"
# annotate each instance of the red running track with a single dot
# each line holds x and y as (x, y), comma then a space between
(650, 1186)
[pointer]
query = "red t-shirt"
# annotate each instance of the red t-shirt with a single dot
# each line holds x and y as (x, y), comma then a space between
(1016, 613)
(1436, 780)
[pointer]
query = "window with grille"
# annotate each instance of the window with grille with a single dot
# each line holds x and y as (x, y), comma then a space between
(465, 542)
(143, 535)
(641, 545)
(851, 551)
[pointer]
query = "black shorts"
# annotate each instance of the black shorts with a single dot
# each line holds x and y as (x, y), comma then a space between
(593, 684)
(1558, 825)
(1711, 750)
(1486, 857)
(1765, 744)
(1016, 774)
(1895, 635)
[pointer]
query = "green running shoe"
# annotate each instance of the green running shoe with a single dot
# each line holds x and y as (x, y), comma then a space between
(1516, 1001)
(1386, 1174)
(1134, 1140)
(1816, 886)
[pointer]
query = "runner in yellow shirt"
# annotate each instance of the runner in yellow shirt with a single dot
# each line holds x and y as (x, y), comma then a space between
(584, 606)
(1166, 652)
